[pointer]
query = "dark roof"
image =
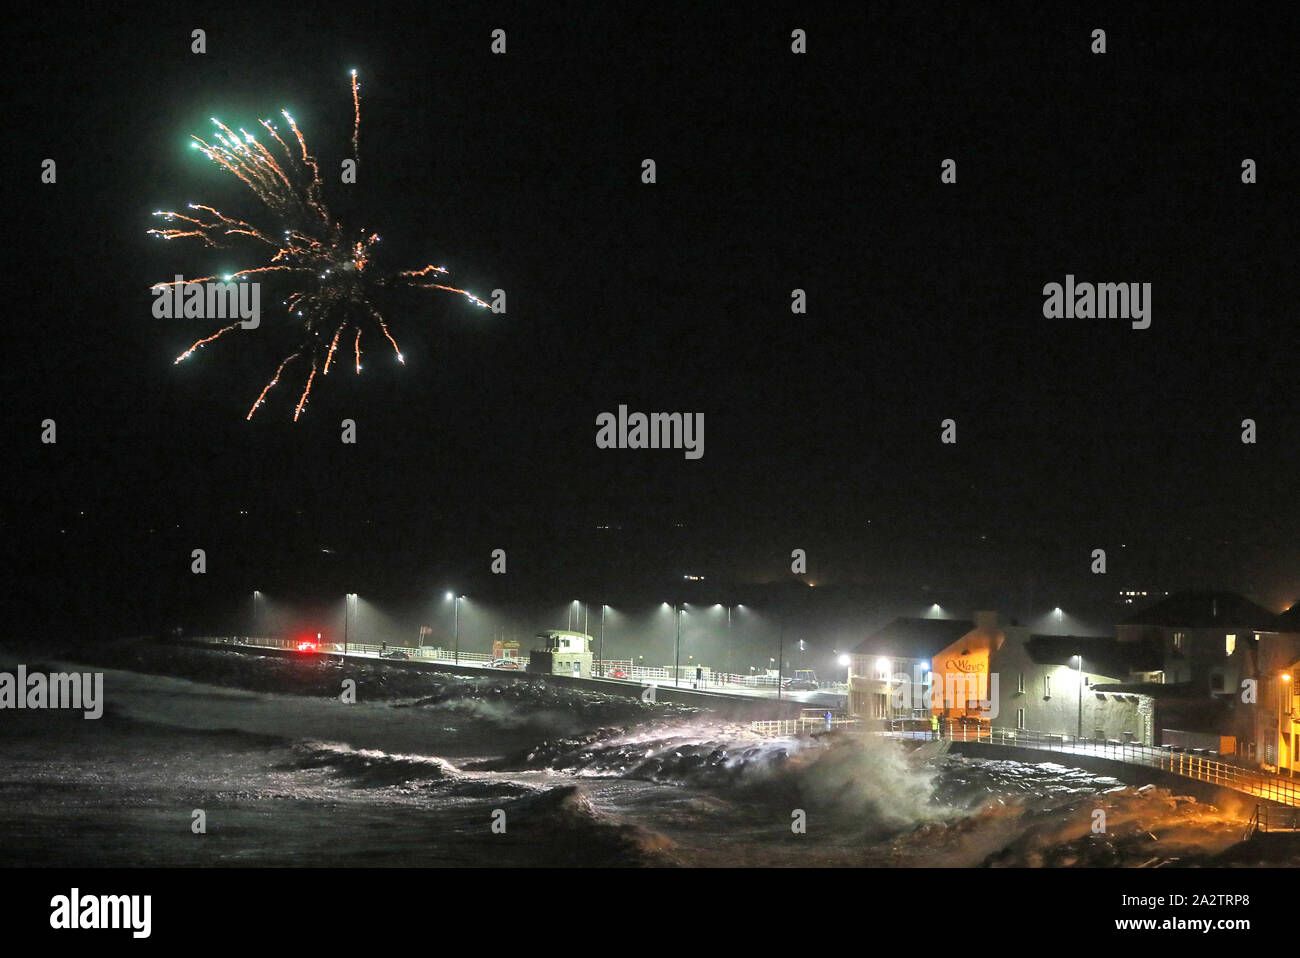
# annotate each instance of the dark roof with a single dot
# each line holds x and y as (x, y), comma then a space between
(1205, 610)
(1289, 621)
(1187, 691)
(914, 638)
(1101, 653)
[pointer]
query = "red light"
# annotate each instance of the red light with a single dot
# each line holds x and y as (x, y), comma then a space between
(307, 646)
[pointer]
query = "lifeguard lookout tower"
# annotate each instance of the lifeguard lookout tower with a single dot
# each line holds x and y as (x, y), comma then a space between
(562, 653)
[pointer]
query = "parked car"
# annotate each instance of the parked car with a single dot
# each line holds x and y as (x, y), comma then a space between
(505, 664)
(395, 654)
(617, 674)
(799, 685)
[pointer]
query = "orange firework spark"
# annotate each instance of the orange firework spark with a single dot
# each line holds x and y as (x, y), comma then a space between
(356, 117)
(330, 268)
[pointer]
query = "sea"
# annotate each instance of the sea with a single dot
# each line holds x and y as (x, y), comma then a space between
(432, 769)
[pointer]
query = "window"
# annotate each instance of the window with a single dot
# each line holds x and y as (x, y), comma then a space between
(1229, 644)
(1020, 684)
(1180, 641)
(1216, 682)
(1020, 718)
(1047, 686)
(880, 706)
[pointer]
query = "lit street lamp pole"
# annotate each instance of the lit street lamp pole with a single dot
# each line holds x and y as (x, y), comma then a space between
(347, 608)
(1079, 734)
(677, 656)
(730, 640)
(601, 653)
(1281, 697)
(780, 656)
(455, 619)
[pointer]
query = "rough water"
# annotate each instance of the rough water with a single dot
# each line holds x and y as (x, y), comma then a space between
(419, 770)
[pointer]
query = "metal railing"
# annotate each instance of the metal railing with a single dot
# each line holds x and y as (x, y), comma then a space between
(427, 653)
(661, 675)
(798, 726)
(1281, 789)
(1269, 819)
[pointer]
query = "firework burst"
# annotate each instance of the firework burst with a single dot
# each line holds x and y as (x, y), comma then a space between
(328, 272)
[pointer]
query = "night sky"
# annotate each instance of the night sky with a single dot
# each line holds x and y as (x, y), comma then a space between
(775, 172)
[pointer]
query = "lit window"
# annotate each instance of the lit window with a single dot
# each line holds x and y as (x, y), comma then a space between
(1020, 683)
(1020, 718)
(1230, 643)
(1180, 640)
(1047, 686)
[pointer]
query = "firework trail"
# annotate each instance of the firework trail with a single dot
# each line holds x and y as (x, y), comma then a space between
(328, 269)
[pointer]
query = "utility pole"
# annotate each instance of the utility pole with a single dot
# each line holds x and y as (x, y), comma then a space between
(677, 656)
(1281, 697)
(730, 642)
(1079, 734)
(602, 640)
(780, 656)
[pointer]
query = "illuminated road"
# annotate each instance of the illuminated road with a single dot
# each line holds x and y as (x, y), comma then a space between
(819, 698)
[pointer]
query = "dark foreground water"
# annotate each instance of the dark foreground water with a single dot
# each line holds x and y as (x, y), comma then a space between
(419, 770)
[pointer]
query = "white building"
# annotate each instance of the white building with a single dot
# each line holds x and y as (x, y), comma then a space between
(562, 653)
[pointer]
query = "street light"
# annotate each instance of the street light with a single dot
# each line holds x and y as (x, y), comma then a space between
(348, 602)
(677, 655)
(780, 656)
(1079, 734)
(1282, 679)
(731, 642)
(455, 613)
(601, 653)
